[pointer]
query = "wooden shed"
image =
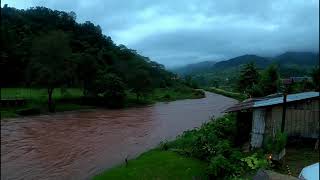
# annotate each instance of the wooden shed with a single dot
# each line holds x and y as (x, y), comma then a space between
(265, 114)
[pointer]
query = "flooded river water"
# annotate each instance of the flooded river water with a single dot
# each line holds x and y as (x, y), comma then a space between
(80, 144)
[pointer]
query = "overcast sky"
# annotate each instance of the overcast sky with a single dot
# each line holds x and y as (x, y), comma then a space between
(176, 32)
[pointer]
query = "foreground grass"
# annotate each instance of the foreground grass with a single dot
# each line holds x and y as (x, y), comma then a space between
(157, 164)
(238, 96)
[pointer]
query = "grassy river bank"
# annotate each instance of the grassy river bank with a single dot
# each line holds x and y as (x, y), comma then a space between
(71, 99)
(209, 152)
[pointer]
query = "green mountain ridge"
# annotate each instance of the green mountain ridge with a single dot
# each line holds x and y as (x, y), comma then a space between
(300, 62)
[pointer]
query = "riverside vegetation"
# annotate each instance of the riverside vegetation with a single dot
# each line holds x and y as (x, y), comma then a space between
(210, 152)
(205, 152)
(73, 99)
(75, 65)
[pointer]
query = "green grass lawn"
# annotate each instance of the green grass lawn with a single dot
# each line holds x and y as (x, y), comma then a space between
(39, 94)
(37, 99)
(157, 164)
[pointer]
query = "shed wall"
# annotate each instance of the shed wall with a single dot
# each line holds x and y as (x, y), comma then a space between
(302, 119)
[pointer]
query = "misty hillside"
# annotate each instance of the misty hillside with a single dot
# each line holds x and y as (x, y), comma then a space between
(298, 58)
(261, 62)
(204, 66)
(290, 63)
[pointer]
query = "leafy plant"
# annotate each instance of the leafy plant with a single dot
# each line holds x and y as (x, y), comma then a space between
(226, 165)
(277, 143)
(254, 162)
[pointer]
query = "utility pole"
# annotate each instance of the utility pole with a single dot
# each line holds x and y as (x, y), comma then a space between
(284, 109)
(286, 83)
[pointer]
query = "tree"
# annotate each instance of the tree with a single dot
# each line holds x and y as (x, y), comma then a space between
(249, 77)
(141, 83)
(50, 65)
(111, 88)
(270, 80)
(190, 82)
(316, 78)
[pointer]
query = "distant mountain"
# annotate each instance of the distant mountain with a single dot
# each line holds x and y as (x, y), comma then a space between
(296, 63)
(195, 68)
(236, 62)
(297, 58)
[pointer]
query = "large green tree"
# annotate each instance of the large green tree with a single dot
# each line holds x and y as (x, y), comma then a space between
(111, 88)
(50, 65)
(249, 78)
(141, 83)
(21, 34)
(270, 80)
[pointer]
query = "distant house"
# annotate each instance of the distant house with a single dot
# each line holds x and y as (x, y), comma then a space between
(261, 117)
(297, 79)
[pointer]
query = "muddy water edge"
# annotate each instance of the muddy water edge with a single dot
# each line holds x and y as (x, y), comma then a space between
(80, 144)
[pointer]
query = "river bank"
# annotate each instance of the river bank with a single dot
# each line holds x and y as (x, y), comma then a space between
(72, 99)
(79, 145)
(209, 152)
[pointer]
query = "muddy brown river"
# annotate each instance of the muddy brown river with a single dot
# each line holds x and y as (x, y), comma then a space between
(79, 144)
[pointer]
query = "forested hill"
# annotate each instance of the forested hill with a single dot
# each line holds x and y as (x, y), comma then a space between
(200, 67)
(25, 34)
(290, 64)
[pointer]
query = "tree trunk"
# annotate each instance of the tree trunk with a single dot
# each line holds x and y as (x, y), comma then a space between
(50, 103)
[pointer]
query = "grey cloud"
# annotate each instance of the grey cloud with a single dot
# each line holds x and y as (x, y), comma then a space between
(179, 32)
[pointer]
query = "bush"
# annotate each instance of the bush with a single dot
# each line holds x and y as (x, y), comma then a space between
(225, 166)
(214, 143)
(199, 93)
(212, 138)
(255, 162)
(276, 144)
(167, 96)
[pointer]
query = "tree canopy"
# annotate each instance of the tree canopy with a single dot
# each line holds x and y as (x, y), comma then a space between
(249, 77)
(48, 48)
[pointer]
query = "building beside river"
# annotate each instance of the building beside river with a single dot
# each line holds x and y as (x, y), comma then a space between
(261, 117)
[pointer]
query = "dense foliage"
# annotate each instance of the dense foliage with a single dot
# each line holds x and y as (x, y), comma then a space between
(213, 142)
(48, 48)
(276, 144)
(249, 77)
(225, 74)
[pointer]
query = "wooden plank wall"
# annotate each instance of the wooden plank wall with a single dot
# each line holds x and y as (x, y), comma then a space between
(302, 119)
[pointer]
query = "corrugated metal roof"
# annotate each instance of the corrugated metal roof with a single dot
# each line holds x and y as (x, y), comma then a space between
(290, 98)
(270, 100)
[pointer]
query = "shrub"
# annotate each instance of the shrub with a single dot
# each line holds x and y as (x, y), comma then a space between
(226, 165)
(213, 142)
(277, 143)
(167, 96)
(199, 93)
(254, 162)
(214, 137)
